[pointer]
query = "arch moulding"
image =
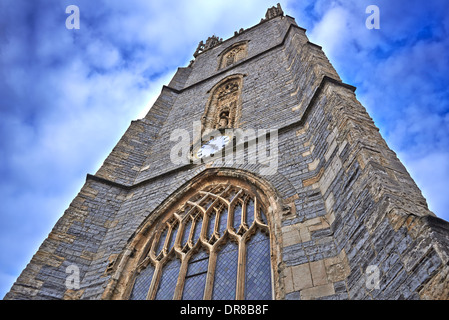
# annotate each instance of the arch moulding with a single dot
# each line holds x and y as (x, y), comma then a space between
(128, 262)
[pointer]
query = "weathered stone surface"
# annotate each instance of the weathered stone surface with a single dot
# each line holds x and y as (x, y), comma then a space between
(349, 205)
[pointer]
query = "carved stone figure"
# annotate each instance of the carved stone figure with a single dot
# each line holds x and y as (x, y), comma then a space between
(224, 120)
(274, 12)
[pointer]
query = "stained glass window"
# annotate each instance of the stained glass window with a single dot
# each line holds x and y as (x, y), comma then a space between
(241, 264)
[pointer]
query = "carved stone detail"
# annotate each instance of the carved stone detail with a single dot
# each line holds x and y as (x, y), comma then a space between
(274, 12)
(233, 54)
(223, 109)
(210, 43)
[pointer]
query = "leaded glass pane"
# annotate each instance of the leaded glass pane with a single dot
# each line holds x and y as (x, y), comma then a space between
(211, 226)
(250, 212)
(196, 277)
(142, 284)
(258, 269)
(186, 234)
(160, 245)
(226, 273)
(237, 216)
(223, 220)
(231, 195)
(263, 217)
(207, 203)
(168, 281)
(173, 233)
(197, 231)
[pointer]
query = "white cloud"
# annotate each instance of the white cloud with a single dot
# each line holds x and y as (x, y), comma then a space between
(332, 30)
(71, 95)
(399, 71)
(431, 173)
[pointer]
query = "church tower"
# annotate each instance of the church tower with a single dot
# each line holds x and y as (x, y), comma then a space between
(256, 174)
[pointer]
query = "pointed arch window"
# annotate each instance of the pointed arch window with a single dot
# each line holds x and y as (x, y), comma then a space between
(233, 54)
(214, 245)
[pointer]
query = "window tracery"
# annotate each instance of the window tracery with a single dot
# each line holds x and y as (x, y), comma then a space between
(215, 245)
(233, 54)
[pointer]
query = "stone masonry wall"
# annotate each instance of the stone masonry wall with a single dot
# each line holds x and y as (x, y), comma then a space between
(370, 203)
(350, 205)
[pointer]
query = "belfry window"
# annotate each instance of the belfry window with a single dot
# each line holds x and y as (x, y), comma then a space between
(233, 54)
(215, 245)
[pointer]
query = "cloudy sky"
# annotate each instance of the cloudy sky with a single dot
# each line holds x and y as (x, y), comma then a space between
(67, 96)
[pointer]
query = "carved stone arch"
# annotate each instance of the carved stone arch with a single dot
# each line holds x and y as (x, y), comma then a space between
(233, 54)
(223, 108)
(266, 210)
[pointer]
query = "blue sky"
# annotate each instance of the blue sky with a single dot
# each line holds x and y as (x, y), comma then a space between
(67, 96)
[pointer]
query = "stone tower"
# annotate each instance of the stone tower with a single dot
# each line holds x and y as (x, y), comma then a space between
(255, 175)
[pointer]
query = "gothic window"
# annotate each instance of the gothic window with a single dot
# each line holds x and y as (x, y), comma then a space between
(233, 54)
(213, 245)
(223, 108)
